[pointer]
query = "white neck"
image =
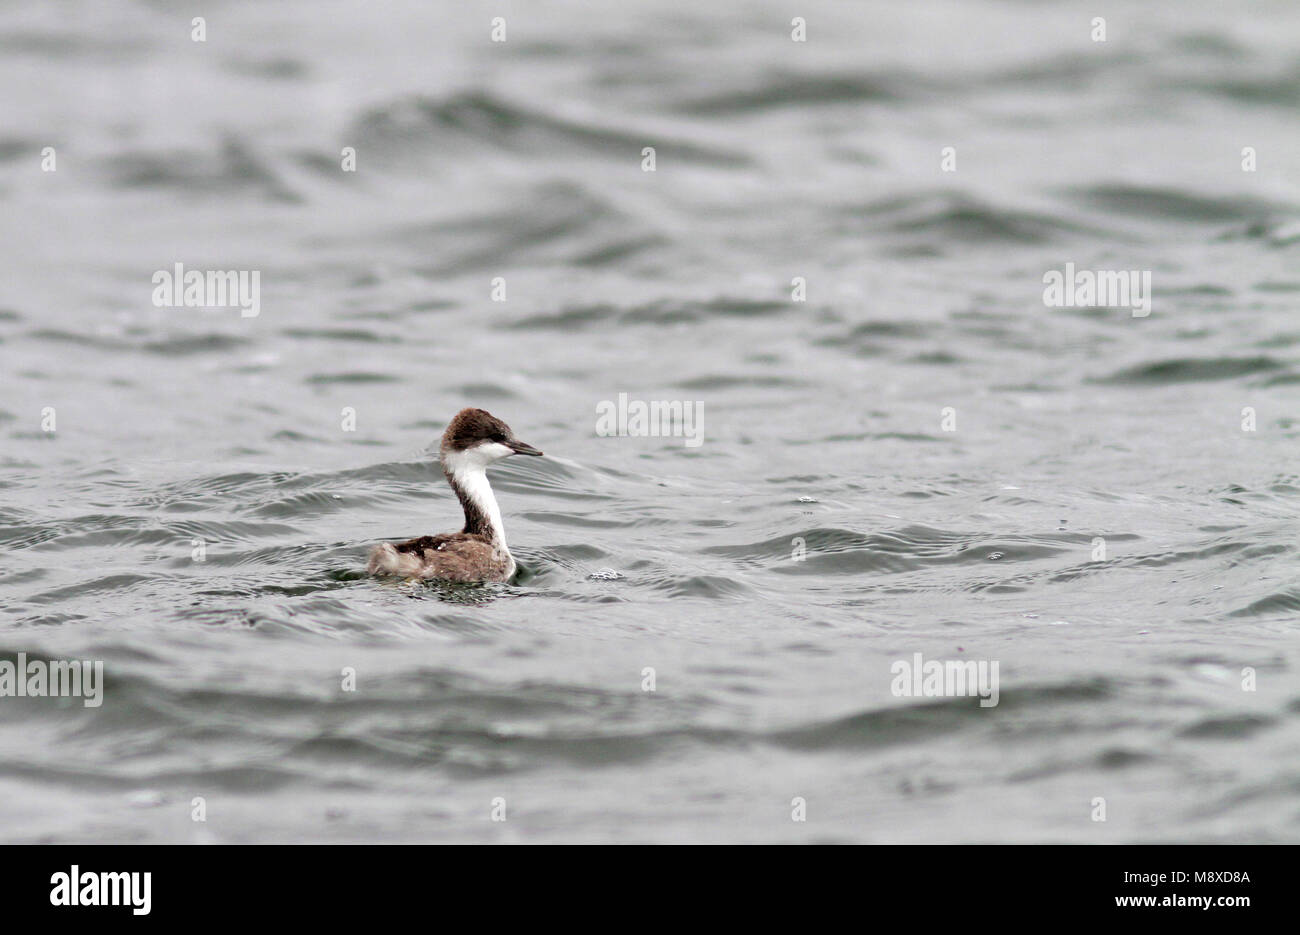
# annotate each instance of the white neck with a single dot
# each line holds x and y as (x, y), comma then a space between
(468, 471)
(475, 484)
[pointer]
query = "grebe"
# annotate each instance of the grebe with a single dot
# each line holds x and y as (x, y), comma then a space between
(472, 441)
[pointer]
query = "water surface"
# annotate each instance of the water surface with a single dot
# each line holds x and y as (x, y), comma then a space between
(1121, 676)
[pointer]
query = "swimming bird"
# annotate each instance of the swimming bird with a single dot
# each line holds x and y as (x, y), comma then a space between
(473, 440)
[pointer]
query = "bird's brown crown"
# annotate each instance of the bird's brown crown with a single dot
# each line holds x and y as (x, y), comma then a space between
(471, 427)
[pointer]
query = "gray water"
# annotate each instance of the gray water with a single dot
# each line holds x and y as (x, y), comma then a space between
(1101, 521)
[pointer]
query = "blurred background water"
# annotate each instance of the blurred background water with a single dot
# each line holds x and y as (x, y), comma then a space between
(1121, 677)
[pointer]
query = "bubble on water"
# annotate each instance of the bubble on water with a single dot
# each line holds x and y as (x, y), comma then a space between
(606, 574)
(1285, 234)
(994, 556)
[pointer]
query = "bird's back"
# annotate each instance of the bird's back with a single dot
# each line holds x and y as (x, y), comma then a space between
(457, 556)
